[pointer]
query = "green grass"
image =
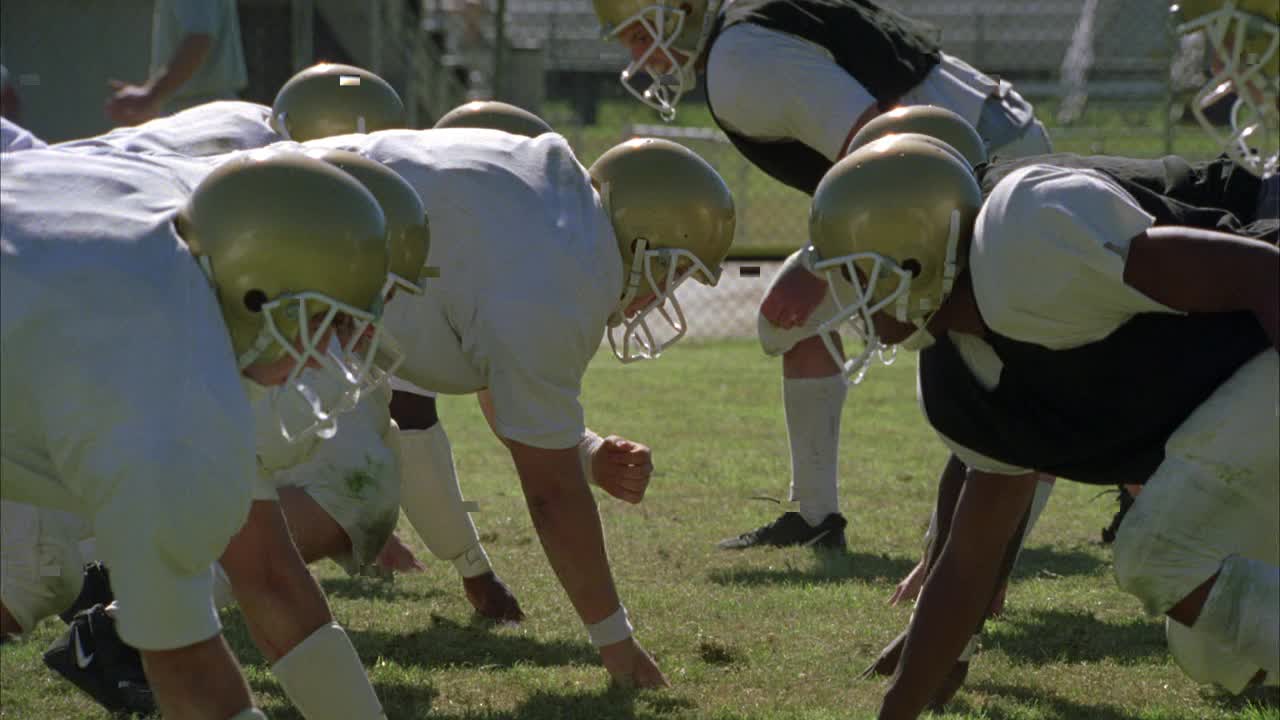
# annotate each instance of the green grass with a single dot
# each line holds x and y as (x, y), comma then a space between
(761, 634)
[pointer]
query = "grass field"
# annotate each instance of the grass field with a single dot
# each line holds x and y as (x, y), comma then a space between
(761, 634)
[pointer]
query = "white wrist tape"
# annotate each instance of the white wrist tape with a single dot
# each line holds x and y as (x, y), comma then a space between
(587, 447)
(615, 628)
(250, 714)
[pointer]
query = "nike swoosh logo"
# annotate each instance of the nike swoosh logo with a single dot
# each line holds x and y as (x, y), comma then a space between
(82, 660)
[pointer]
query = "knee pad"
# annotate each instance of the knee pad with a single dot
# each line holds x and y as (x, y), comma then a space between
(432, 500)
(40, 561)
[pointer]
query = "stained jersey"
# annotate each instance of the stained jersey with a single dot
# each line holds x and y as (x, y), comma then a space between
(121, 400)
(530, 272)
(204, 130)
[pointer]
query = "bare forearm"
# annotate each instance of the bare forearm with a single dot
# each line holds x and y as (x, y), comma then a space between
(946, 619)
(186, 60)
(1196, 270)
(958, 590)
(568, 526)
(950, 483)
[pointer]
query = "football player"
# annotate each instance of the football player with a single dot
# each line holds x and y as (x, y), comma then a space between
(339, 99)
(1199, 190)
(791, 82)
(1074, 324)
(244, 293)
(519, 314)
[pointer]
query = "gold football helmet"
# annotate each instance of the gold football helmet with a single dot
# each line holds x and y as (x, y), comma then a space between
(1244, 42)
(408, 244)
(930, 120)
(296, 251)
(494, 115)
(673, 218)
(677, 31)
(328, 99)
(890, 228)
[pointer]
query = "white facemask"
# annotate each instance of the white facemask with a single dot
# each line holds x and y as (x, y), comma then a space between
(631, 338)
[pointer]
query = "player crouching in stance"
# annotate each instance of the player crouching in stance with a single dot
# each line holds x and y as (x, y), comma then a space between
(252, 272)
(1063, 333)
(519, 314)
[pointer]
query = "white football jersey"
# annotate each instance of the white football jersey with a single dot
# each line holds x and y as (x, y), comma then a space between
(118, 370)
(14, 137)
(209, 129)
(529, 273)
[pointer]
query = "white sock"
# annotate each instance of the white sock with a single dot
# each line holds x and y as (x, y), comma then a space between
(432, 500)
(813, 407)
(1243, 611)
(323, 677)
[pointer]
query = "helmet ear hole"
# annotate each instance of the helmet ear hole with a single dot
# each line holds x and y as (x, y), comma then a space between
(912, 266)
(254, 300)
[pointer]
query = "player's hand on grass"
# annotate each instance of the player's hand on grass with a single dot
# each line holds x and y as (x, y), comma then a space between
(909, 587)
(793, 298)
(131, 104)
(622, 468)
(395, 556)
(630, 666)
(492, 598)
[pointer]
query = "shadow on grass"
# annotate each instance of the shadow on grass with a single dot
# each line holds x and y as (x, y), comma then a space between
(828, 566)
(1261, 699)
(1043, 560)
(1055, 706)
(1043, 636)
(605, 704)
(448, 643)
(376, 588)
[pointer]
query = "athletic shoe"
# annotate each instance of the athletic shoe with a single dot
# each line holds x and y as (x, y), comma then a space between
(94, 658)
(791, 529)
(96, 590)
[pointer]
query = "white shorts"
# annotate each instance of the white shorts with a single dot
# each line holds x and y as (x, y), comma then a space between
(1216, 493)
(355, 477)
(41, 560)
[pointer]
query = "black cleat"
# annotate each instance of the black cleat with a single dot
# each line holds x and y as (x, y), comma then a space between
(791, 529)
(96, 590)
(94, 658)
(1126, 502)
